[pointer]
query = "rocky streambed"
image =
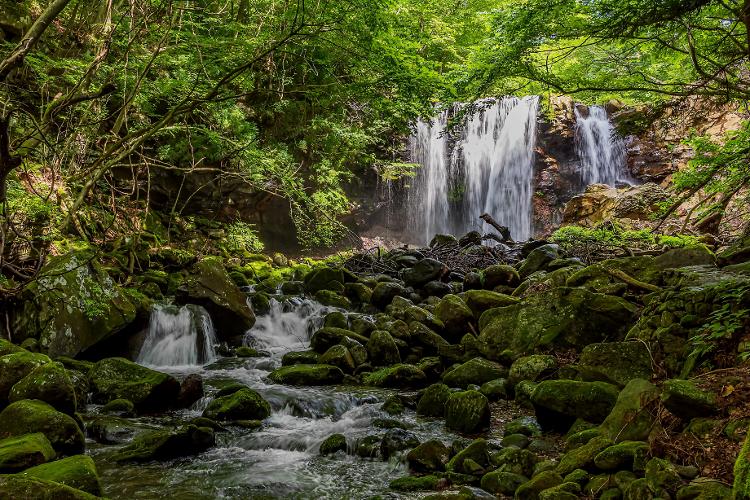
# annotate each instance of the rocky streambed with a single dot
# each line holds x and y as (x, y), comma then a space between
(459, 371)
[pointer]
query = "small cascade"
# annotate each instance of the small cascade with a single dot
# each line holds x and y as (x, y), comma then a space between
(178, 336)
(485, 166)
(601, 150)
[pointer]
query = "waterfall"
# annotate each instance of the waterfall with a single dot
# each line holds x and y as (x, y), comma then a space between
(287, 326)
(178, 336)
(485, 166)
(601, 150)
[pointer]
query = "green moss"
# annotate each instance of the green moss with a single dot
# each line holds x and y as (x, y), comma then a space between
(332, 444)
(432, 402)
(307, 375)
(31, 416)
(243, 404)
(23, 486)
(9, 348)
(416, 483)
(167, 444)
(118, 378)
(476, 371)
(15, 366)
(467, 412)
(49, 383)
(21, 452)
(396, 376)
(742, 472)
(78, 472)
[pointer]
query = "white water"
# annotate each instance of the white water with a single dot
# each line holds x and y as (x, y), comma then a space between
(288, 326)
(601, 150)
(178, 337)
(486, 168)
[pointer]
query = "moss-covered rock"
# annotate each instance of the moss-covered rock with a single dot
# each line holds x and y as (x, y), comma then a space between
(247, 352)
(49, 383)
(167, 444)
(534, 368)
(15, 366)
(432, 402)
(423, 272)
(333, 299)
(384, 293)
(396, 440)
(324, 278)
(615, 362)
(397, 376)
(73, 306)
(500, 275)
(333, 444)
(31, 416)
(78, 472)
(27, 487)
(118, 378)
(307, 375)
(502, 483)
(382, 349)
(466, 460)
(515, 460)
(467, 412)
(210, 286)
(21, 452)
(327, 337)
(630, 455)
(455, 315)
(416, 483)
(531, 489)
(583, 456)
(244, 404)
(565, 317)
(684, 399)
(121, 407)
(476, 371)
(630, 418)
(405, 310)
(480, 301)
(495, 389)
(559, 402)
(742, 472)
(340, 357)
(300, 358)
(430, 456)
(7, 347)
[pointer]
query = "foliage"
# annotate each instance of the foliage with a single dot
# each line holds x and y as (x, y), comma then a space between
(725, 325)
(243, 238)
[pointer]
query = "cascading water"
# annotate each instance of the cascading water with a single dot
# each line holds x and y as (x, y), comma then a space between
(181, 336)
(487, 166)
(601, 150)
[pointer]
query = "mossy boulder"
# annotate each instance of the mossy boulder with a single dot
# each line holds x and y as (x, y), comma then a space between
(396, 440)
(583, 457)
(531, 489)
(382, 349)
(244, 404)
(430, 456)
(31, 416)
(333, 299)
(495, 389)
(502, 483)
(333, 444)
(466, 460)
(358, 293)
(147, 389)
(480, 301)
(559, 402)
(27, 487)
(7, 347)
(210, 286)
(15, 366)
(167, 444)
(324, 278)
(21, 452)
(300, 358)
(73, 306)
(532, 368)
(560, 317)
(631, 418)
(467, 412)
(684, 399)
(49, 383)
(742, 472)
(121, 407)
(515, 460)
(405, 310)
(476, 371)
(397, 376)
(629, 455)
(339, 356)
(416, 483)
(538, 259)
(615, 362)
(423, 272)
(327, 337)
(500, 275)
(307, 375)
(78, 472)
(432, 402)
(384, 293)
(455, 315)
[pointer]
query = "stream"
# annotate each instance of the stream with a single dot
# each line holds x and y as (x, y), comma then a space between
(279, 460)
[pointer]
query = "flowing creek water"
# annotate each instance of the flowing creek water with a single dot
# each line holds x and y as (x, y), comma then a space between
(279, 460)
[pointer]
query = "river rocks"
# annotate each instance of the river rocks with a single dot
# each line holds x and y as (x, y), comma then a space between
(118, 378)
(423, 272)
(307, 375)
(686, 400)
(324, 278)
(396, 440)
(300, 358)
(566, 317)
(210, 286)
(495, 389)
(742, 472)
(340, 357)
(32, 416)
(28, 487)
(78, 472)
(49, 383)
(628, 455)
(333, 299)
(332, 444)
(397, 376)
(532, 368)
(475, 371)
(167, 444)
(73, 306)
(559, 402)
(615, 362)
(384, 293)
(432, 402)
(538, 259)
(482, 300)
(630, 419)
(430, 456)
(325, 338)
(467, 412)
(516, 461)
(455, 315)
(191, 390)
(502, 483)
(15, 366)
(417, 483)
(24, 451)
(467, 460)
(582, 457)
(382, 350)
(531, 489)
(244, 404)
